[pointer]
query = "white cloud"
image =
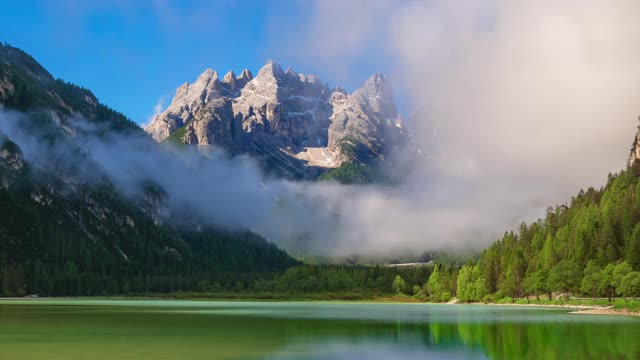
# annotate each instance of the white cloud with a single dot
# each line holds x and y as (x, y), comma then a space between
(157, 110)
(531, 100)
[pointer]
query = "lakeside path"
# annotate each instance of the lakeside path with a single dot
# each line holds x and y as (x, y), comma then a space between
(579, 309)
(605, 311)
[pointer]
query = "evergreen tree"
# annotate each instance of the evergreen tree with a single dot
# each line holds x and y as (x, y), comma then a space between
(609, 280)
(632, 254)
(399, 286)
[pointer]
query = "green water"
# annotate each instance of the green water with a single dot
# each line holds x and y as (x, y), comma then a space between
(258, 330)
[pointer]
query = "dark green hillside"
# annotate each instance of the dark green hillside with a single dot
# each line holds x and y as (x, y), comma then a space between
(26, 86)
(62, 236)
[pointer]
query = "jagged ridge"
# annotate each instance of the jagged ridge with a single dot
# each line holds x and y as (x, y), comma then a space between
(303, 124)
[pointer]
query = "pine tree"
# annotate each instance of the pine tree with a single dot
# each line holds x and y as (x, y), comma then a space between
(399, 286)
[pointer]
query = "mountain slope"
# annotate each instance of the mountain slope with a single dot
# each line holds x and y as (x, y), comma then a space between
(67, 230)
(293, 123)
(588, 246)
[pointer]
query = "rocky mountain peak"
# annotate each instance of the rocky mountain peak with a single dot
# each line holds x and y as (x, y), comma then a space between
(270, 70)
(207, 76)
(230, 83)
(246, 75)
(229, 77)
(205, 88)
(379, 94)
(283, 116)
(244, 78)
(378, 85)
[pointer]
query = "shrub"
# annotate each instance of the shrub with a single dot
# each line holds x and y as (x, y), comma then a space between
(445, 296)
(505, 300)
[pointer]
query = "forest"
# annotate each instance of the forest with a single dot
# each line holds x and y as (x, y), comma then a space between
(589, 247)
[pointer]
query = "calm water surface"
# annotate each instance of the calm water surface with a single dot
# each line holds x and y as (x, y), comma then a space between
(259, 330)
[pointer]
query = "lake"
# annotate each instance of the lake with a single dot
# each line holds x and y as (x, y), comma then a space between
(96, 329)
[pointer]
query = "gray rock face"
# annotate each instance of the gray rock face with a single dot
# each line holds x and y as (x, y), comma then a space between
(362, 122)
(244, 78)
(214, 124)
(6, 87)
(294, 113)
(11, 162)
(188, 101)
(282, 104)
(635, 149)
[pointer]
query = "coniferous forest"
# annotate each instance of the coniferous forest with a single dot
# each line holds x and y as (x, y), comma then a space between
(588, 247)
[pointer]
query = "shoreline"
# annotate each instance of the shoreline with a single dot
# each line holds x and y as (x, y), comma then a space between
(577, 309)
(605, 311)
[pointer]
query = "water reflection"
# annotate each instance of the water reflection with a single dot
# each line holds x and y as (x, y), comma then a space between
(373, 351)
(576, 340)
(274, 331)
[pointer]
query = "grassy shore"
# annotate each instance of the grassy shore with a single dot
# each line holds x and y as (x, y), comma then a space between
(341, 296)
(581, 306)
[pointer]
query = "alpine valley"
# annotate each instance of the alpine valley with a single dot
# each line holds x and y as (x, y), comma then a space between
(70, 228)
(76, 221)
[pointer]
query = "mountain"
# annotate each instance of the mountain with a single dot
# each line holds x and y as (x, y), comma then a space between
(68, 230)
(293, 123)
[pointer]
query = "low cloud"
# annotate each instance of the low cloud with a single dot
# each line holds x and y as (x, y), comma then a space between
(517, 105)
(316, 218)
(157, 110)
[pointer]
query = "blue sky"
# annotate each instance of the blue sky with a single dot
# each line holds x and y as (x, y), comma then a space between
(133, 53)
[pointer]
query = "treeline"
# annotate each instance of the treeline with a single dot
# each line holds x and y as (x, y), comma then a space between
(54, 259)
(325, 282)
(589, 247)
(65, 263)
(350, 173)
(59, 247)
